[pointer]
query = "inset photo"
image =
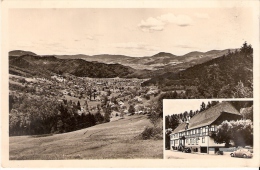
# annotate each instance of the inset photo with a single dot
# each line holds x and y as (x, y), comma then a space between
(208, 129)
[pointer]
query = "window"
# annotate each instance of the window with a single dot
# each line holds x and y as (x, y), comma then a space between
(212, 128)
(207, 128)
(203, 139)
(197, 131)
(203, 130)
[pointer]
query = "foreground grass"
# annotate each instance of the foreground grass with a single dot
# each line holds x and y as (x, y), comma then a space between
(114, 140)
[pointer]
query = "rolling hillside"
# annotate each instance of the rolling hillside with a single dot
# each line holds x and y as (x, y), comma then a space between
(30, 65)
(24, 63)
(114, 140)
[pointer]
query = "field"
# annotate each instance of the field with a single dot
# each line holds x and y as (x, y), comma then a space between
(114, 140)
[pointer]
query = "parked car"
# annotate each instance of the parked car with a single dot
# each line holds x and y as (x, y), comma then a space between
(242, 153)
(249, 148)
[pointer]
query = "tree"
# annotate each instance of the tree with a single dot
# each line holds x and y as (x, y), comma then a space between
(86, 106)
(60, 126)
(11, 102)
(108, 92)
(247, 113)
(78, 105)
(131, 110)
(154, 119)
(240, 132)
(89, 93)
(246, 49)
(208, 105)
(107, 114)
(224, 133)
(202, 107)
(241, 91)
(211, 82)
(185, 115)
(191, 114)
(167, 138)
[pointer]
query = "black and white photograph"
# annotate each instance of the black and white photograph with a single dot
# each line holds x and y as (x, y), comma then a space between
(131, 85)
(204, 129)
(92, 87)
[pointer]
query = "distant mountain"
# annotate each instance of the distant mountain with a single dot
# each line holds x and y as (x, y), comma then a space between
(141, 67)
(155, 62)
(20, 53)
(30, 65)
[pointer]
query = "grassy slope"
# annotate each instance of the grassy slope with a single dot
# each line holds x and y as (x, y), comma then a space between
(112, 140)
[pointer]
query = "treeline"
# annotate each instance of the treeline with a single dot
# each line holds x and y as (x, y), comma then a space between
(172, 121)
(228, 76)
(34, 115)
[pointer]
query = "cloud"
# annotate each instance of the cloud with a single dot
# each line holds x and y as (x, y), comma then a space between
(202, 15)
(180, 20)
(151, 24)
(89, 37)
(136, 46)
(157, 24)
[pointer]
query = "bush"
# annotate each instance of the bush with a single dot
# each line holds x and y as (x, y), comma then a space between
(152, 133)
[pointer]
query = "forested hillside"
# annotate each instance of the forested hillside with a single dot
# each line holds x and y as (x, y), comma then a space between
(31, 65)
(228, 76)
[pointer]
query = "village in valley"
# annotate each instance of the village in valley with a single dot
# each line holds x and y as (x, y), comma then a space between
(100, 111)
(120, 93)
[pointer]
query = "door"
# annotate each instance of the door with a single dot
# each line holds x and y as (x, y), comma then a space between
(203, 150)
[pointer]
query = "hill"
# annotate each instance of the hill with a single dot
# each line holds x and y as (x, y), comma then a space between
(114, 140)
(106, 65)
(20, 53)
(30, 65)
(215, 78)
(155, 62)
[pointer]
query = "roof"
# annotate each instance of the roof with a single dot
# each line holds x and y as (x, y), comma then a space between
(208, 116)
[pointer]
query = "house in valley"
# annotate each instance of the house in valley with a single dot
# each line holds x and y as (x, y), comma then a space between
(197, 133)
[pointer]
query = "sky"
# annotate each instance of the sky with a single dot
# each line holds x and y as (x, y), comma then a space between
(133, 32)
(173, 106)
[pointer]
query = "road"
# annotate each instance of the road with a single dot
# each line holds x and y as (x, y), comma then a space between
(169, 154)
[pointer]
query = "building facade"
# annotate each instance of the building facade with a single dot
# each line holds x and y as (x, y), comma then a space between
(197, 133)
